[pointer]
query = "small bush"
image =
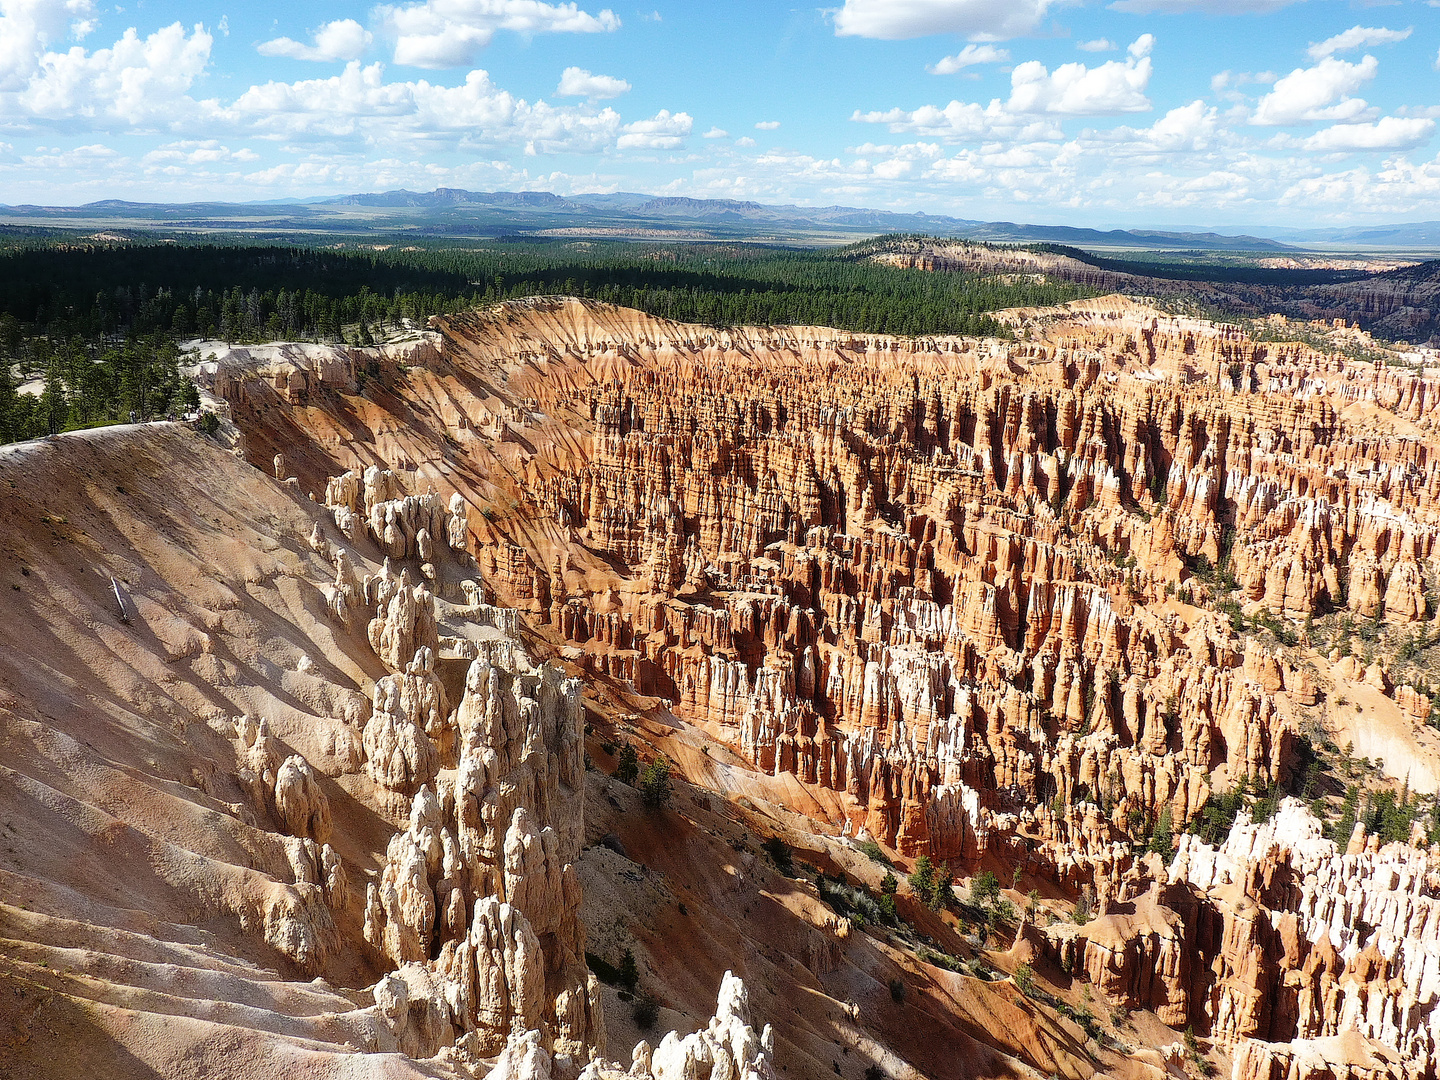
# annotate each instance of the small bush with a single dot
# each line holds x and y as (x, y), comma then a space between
(628, 767)
(1025, 979)
(874, 851)
(645, 1011)
(984, 889)
(779, 854)
(628, 974)
(655, 783)
(208, 423)
(605, 971)
(897, 991)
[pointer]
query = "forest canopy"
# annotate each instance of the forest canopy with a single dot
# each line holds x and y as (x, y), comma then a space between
(95, 326)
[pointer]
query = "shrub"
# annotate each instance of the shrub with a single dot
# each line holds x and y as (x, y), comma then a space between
(605, 971)
(779, 854)
(628, 974)
(873, 850)
(655, 783)
(1025, 979)
(628, 767)
(208, 423)
(984, 889)
(645, 1011)
(897, 991)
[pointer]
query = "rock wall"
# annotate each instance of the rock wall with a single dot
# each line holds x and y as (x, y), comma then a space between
(953, 583)
(968, 593)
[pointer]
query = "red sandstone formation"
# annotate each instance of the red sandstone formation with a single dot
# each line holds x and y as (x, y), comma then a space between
(955, 595)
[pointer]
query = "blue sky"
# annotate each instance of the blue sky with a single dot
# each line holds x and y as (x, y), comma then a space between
(1158, 112)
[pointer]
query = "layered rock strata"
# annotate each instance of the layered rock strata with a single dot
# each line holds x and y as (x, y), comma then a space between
(962, 591)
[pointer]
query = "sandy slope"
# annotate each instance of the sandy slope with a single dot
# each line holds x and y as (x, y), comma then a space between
(129, 855)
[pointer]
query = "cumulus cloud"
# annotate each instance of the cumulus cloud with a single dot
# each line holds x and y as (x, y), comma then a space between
(187, 154)
(136, 81)
(664, 131)
(1213, 7)
(767, 125)
(1097, 45)
(1117, 86)
(979, 20)
(1321, 92)
(963, 122)
(359, 105)
(343, 39)
(577, 82)
(1188, 128)
(716, 133)
(1357, 37)
(969, 56)
(28, 28)
(1387, 133)
(1225, 83)
(451, 33)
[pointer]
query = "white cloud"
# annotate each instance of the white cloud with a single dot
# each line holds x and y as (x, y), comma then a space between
(665, 131)
(1387, 133)
(343, 39)
(1222, 82)
(192, 153)
(767, 125)
(968, 57)
(359, 105)
(29, 27)
(979, 20)
(577, 82)
(80, 158)
(451, 33)
(1097, 45)
(135, 81)
(1076, 90)
(1213, 7)
(1357, 37)
(1186, 129)
(744, 140)
(962, 121)
(716, 133)
(1117, 86)
(1317, 93)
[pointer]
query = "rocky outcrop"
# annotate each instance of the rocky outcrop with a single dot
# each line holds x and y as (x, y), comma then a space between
(1001, 603)
(303, 806)
(481, 889)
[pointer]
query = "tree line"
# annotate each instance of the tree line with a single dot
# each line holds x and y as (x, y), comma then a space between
(95, 325)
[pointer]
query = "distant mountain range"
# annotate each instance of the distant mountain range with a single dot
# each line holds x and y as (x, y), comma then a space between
(458, 213)
(455, 212)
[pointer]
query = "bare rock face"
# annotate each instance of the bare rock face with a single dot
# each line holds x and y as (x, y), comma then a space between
(1347, 1057)
(400, 754)
(404, 620)
(728, 1045)
(303, 807)
(481, 887)
(1316, 944)
(1020, 602)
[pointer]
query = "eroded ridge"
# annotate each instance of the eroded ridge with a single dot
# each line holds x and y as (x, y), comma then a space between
(970, 594)
(253, 820)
